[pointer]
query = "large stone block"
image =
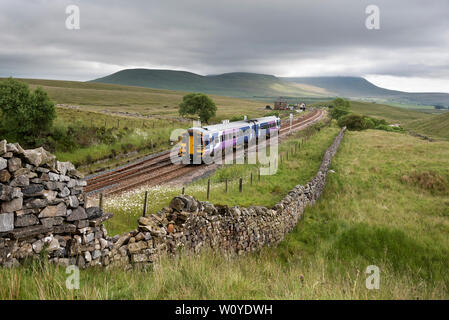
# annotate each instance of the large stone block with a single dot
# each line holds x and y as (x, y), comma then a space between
(3, 163)
(6, 222)
(59, 210)
(8, 193)
(33, 190)
(4, 176)
(20, 181)
(14, 164)
(137, 246)
(13, 205)
(94, 212)
(73, 202)
(77, 214)
(52, 221)
(64, 167)
(35, 203)
(26, 220)
(28, 232)
(33, 157)
(64, 193)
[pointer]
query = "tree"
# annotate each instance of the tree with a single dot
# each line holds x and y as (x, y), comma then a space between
(340, 108)
(341, 103)
(26, 115)
(198, 103)
(355, 122)
(337, 113)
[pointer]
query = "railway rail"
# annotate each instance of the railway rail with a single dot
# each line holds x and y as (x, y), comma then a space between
(158, 169)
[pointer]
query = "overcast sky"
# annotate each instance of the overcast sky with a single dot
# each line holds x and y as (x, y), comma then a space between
(409, 52)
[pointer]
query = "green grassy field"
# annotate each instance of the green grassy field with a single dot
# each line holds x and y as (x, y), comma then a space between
(385, 205)
(145, 101)
(389, 113)
(436, 126)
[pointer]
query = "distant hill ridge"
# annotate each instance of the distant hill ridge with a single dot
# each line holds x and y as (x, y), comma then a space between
(253, 85)
(236, 84)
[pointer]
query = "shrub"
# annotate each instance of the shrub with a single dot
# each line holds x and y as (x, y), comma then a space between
(353, 122)
(337, 113)
(341, 103)
(236, 118)
(27, 116)
(272, 113)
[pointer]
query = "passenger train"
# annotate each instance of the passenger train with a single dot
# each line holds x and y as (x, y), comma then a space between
(202, 141)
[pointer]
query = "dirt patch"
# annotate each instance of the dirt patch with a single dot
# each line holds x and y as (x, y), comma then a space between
(427, 180)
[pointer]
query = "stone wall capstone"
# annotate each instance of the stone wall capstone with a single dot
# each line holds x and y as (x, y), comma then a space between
(52, 190)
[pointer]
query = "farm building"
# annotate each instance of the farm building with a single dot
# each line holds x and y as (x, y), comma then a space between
(280, 104)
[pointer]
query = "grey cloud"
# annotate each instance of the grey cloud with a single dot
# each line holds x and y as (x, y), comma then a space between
(276, 37)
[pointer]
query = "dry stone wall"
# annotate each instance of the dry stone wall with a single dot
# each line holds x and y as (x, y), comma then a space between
(75, 235)
(42, 209)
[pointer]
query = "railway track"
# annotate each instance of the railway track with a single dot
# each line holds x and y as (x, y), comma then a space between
(302, 122)
(158, 169)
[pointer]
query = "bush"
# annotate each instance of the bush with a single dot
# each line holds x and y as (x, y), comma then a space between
(273, 113)
(369, 123)
(236, 118)
(353, 122)
(337, 113)
(27, 116)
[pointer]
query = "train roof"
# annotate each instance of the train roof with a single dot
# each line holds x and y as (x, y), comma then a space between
(224, 126)
(264, 119)
(234, 124)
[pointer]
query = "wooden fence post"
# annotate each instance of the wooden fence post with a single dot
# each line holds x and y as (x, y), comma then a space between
(208, 188)
(145, 204)
(251, 179)
(258, 174)
(101, 201)
(182, 190)
(240, 185)
(226, 185)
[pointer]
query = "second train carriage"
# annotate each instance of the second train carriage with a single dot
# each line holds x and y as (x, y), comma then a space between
(201, 141)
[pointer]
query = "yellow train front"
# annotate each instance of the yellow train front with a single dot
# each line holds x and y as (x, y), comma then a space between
(192, 146)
